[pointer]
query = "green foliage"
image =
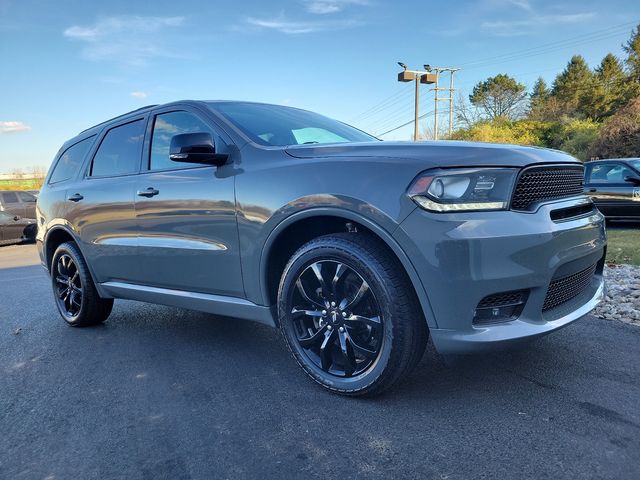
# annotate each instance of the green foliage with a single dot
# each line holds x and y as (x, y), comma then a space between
(572, 83)
(538, 100)
(574, 137)
(632, 49)
(26, 184)
(501, 130)
(499, 96)
(608, 91)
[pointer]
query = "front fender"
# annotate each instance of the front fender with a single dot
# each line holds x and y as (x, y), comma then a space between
(384, 233)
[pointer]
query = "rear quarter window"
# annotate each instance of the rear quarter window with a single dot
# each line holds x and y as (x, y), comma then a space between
(70, 161)
(120, 151)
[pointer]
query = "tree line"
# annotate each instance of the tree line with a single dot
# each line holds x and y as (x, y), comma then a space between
(590, 113)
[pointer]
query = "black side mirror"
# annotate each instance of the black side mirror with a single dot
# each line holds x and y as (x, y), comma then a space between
(196, 148)
(632, 179)
(16, 218)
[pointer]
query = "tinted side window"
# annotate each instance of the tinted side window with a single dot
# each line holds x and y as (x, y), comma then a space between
(70, 161)
(9, 197)
(165, 126)
(609, 173)
(119, 152)
(26, 197)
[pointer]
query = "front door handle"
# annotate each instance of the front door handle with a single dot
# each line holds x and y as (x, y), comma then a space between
(76, 197)
(149, 192)
(593, 190)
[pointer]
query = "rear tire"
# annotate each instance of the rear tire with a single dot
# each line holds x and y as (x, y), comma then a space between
(74, 292)
(349, 315)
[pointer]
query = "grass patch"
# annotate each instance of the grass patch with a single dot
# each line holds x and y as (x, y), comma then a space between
(624, 246)
(26, 184)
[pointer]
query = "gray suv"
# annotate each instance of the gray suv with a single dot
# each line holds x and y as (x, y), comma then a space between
(22, 204)
(356, 249)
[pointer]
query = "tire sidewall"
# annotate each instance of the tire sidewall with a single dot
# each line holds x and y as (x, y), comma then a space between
(361, 262)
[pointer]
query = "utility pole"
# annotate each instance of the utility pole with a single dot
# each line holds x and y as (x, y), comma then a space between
(417, 76)
(437, 89)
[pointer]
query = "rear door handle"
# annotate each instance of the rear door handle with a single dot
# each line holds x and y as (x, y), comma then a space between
(593, 189)
(149, 192)
(76, 197)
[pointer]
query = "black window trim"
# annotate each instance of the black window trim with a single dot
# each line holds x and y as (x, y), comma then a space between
(57, 160)
(608, 184)
(104, 133)
(146, 154)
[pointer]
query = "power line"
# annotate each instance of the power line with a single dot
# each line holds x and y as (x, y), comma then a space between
(571, 41)
(386, 101)
(515, 55)
(405, 124)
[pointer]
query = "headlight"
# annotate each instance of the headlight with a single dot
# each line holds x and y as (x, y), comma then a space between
(463, 189)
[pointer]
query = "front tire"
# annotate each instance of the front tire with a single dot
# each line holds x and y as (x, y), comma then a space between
(74, 291)
(349, 315)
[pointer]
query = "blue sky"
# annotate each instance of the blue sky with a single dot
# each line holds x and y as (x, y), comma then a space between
(66, 65)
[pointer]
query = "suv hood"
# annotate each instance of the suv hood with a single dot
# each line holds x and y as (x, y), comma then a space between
(440, 153)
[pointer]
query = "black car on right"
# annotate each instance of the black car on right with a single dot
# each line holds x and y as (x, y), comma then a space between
(614, 186)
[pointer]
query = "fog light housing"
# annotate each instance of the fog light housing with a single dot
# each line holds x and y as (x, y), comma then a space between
(500, 307)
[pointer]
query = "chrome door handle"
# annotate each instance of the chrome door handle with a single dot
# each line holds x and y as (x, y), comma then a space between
(149, 192)
(76, 197)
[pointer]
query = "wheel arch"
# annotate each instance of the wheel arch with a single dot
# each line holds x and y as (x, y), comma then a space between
(56, 236)
(294, 231)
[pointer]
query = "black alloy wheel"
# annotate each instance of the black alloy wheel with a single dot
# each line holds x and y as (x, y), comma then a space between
(337, 319)
(68, 287)
(349, 314)
(74, 291)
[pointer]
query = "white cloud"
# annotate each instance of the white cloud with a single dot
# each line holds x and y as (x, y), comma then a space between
(523, 4)
(128, 39)
(283, 25)
(138, 94)
(323, 7)
(523, 25)
(13, 127)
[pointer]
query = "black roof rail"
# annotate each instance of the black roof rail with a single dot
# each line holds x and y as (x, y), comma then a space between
(118, 116)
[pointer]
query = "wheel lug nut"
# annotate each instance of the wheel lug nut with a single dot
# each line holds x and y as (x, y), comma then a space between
(341, 329)
(324, 312)
(344, 314)
(333, 304)
(329, 327)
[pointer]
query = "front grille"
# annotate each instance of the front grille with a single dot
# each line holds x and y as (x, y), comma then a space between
(566, 288)
(539, 184)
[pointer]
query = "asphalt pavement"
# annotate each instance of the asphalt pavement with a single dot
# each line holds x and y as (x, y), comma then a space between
(159, 392)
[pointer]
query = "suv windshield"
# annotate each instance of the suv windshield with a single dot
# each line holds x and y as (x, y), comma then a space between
(279, 126)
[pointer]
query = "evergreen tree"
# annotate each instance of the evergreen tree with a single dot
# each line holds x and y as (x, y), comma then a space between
(538, 99)
(609, 91)
(570, 85)
(632, 49)
(499, 96)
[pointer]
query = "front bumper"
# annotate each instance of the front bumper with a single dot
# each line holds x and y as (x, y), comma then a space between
(462, 258)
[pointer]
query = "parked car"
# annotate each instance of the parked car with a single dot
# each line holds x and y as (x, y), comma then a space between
(356, 249)
(14, 229)
(18, 203)
(614, 186)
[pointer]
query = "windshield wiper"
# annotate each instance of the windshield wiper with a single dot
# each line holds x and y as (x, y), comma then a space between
(309, 143)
